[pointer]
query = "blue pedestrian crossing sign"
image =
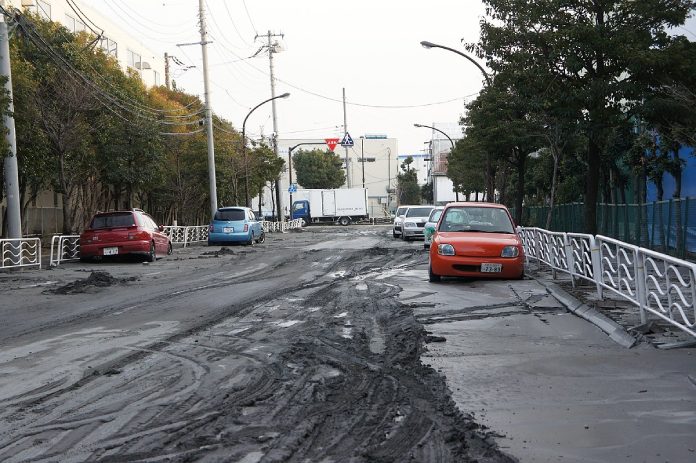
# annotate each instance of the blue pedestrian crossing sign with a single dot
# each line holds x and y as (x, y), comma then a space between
(292, 188)
(347, 141)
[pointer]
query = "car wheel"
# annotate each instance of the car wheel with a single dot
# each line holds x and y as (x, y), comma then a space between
(170, 250)
(152, 255)
(262, 238)
(433, 277)
(426, 246)
(250, 242)
(85, 259)
(344, 221)
(394, 234)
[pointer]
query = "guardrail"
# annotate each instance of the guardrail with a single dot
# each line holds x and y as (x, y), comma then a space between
(187, 235)
(655, 283)
(64, 248)
(271, 227)
(20, 252)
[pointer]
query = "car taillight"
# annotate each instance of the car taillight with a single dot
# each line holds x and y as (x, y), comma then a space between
(246, 227)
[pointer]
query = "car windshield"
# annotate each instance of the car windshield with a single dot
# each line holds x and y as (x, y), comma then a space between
(400, 211)
(117, 220)
(419, 212)
(476, 219)
(230, 214)
(435, 215)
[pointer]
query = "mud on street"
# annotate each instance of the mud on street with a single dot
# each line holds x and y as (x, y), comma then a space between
(295, 350)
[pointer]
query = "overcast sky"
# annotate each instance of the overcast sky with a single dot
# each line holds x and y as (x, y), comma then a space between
(372, 48)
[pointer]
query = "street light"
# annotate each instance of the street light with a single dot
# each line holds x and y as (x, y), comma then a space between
(429, 45)
(244, 150)
(456, 193)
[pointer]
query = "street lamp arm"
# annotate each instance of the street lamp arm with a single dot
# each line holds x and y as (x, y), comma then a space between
(437, 130)
(427, 44)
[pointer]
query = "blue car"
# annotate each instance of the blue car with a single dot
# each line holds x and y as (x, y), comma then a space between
(235, 225)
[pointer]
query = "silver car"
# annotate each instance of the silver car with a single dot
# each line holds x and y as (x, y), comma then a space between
(413, 224)
(398, 221)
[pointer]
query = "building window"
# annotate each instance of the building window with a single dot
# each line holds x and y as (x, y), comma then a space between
(133, 59)
(43, 9)
(157, 78)
(109, 46)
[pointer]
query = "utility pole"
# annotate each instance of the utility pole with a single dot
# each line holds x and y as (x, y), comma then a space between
(14, 219)
(208, 113)
(166, 71)
(345, 128)
(271, 49)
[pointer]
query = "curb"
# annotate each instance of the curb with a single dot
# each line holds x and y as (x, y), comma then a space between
(615, 331)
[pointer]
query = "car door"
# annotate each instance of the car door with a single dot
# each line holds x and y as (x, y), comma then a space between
(254, 224)
(160, 238)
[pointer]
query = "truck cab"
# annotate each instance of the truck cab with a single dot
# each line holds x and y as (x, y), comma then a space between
(301, 210)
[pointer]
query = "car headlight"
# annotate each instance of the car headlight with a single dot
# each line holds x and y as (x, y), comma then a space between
(510, 251)
(410, 224)
(445, 249)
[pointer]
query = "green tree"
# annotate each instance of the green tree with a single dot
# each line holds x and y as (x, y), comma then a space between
(408, 190)
(318, 169)
(608, 54)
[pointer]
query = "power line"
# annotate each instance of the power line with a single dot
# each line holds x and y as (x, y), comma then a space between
(249, 16)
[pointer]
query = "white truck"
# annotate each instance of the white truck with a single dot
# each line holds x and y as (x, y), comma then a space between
(343, 205)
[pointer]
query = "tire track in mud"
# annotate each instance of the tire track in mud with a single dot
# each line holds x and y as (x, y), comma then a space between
(323, 370)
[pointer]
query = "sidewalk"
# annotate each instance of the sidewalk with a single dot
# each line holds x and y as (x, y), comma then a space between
(658, 333)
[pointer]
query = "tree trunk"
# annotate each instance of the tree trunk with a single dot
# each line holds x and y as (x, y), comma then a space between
(490, 179)
(519, 196)
(552, 198)
(592, 185)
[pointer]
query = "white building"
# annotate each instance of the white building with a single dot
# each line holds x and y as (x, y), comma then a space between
(421, 164)
(440, 145)
(130, 53)
(380, 170)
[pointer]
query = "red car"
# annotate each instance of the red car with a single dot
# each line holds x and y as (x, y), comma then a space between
(124, 232)
(476, 240)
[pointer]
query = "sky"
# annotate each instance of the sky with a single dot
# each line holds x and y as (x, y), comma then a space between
(370, 48)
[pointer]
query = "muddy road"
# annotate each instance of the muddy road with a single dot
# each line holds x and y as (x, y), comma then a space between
(296, 350)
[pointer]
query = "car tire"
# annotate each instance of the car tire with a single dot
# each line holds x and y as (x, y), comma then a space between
(426, 246)
(170, 249)
(344, 221)
(250, 242)
(394, 234)
(262, 238)
(85, 259)
(432, 277)
(152, 254)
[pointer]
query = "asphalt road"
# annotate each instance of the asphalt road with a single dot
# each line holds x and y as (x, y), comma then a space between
(318, 346)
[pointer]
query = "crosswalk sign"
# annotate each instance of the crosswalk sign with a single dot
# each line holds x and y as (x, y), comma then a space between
(292, 188)
(347, 141)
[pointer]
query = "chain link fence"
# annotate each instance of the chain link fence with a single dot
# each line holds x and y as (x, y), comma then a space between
(665, 226)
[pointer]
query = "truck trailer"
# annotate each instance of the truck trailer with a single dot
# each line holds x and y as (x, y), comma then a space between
(343, 206)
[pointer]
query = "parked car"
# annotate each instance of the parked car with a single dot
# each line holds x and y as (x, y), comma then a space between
(124, 232)
(476, 240)
(430, 225)
(413, 224)
(235, 225)
(398, 219)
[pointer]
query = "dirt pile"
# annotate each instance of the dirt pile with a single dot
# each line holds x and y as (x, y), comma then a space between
(97, 279)
(222, 252)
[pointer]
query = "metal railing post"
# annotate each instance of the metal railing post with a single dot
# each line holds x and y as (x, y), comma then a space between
(596, 257)
(639, 257)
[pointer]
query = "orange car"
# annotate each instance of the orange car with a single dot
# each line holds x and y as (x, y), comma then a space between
(476, 240)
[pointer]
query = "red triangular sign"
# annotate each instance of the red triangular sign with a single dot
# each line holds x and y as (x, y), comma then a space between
(331, 142)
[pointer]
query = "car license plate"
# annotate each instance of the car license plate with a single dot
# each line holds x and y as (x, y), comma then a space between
(110, 251)
(491, 268)
(228, 230)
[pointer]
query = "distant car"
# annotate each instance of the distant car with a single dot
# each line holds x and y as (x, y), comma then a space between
(476, 240)
(235, 225)
(398, 219)
(430, 225)
(124, 232)
(413, 224)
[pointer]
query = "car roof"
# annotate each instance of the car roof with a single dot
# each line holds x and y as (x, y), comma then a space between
(232, 208)
(476, 204)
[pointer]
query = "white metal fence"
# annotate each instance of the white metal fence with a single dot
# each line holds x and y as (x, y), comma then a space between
(270, 227)
(64, 248)
(656, 283)
(187, 235)
(21, 252)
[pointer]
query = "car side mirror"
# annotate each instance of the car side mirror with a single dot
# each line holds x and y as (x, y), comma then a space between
(160, 227)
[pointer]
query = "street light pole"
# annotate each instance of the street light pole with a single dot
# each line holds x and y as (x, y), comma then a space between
(429, 45)
(290, 150)
(362, 156)
(244, 150)
(456, 193)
